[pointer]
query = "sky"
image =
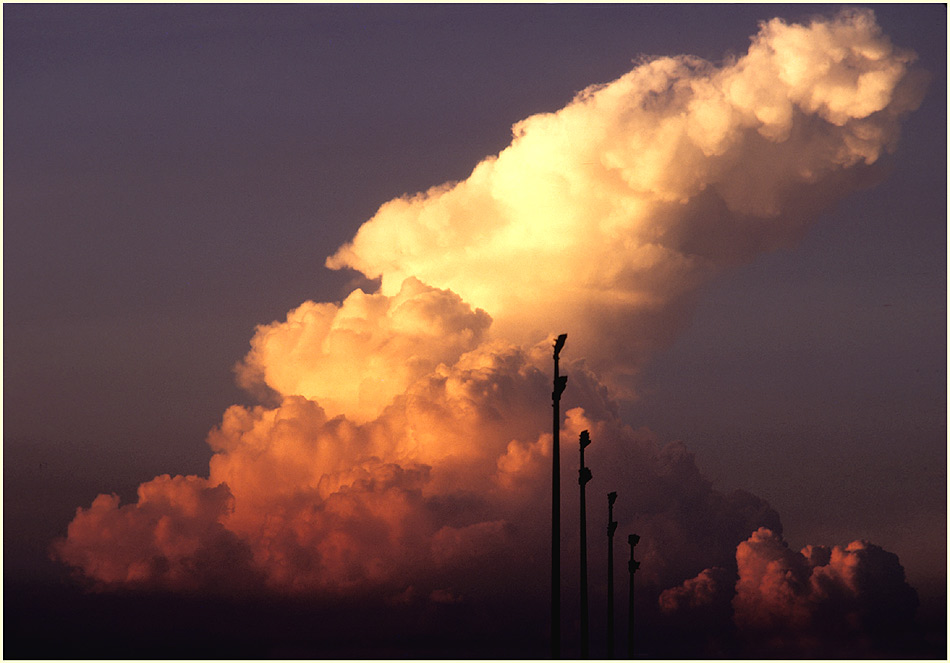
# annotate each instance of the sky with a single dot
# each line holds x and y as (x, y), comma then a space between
(280, 286)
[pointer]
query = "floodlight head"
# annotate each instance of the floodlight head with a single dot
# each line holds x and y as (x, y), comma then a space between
(559, 343)
(633, 539)
(585, 439)
(612, 497)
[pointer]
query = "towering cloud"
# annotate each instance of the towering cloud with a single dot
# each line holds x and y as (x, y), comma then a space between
(605, 216)
(407, 450)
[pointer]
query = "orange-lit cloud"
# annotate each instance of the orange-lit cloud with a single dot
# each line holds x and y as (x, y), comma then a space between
(353, 358)
(837, 600)
(407, 448)
(455, 471)
(605, 216)
(819, 593)
(172, 538)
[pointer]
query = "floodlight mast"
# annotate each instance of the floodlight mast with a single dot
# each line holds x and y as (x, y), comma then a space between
(633, 539)
(584, 475)
(560, 382)
(611, 529)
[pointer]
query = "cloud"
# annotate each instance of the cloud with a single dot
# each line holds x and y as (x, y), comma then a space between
(354, 357)
(606, 216)
(454, 472)
(320, 503)
(704, 591)
(172, 538)
(820, 596)
(404, 450)
(829, 602)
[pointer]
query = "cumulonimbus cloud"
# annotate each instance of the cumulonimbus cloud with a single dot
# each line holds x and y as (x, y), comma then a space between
(411, 432)
(605, 216)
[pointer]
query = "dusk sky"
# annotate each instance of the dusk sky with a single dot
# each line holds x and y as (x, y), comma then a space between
(281, 282)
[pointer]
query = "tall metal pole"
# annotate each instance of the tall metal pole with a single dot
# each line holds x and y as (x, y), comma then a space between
(611, 528)
(633, 566)
(583, 478)
(560, 381)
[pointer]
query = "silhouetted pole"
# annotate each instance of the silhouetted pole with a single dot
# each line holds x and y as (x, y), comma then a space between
(611, 528)
(633, 566)
(560, 381)
(583, 478)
